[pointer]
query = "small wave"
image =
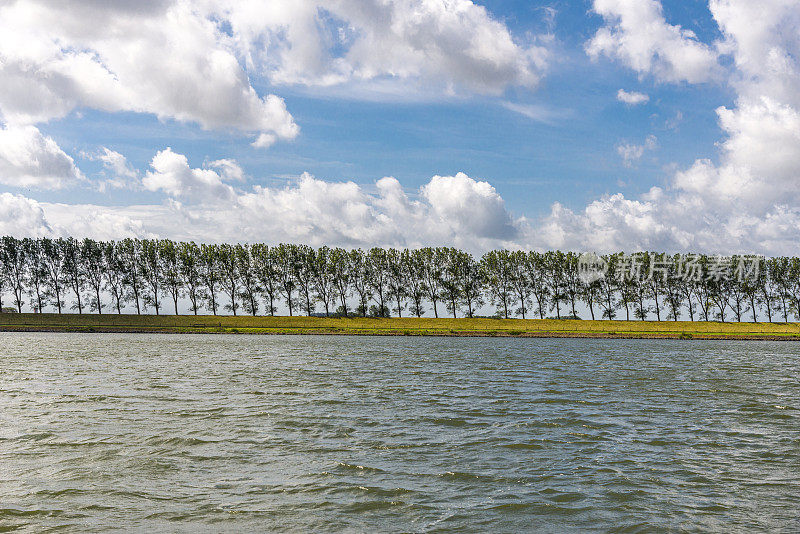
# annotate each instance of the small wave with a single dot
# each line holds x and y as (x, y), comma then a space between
(179, 441)
(558, 496)
(450, 421)
(371, 506)
(383, 492)
(359, 468)
(38, 512)
(459, 475)
(625, 496)
(523, 446)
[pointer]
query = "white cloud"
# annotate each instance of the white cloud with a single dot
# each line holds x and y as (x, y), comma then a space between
(30, 159)
(467, 205)
(172, 175)
(192, 61)
(632, 98)
(743, 199)
(631, 153)
(747, 199)
(168, 59)
(538, 113)
(456, 210)
(103, 222)
(637, 34)
(453, 45)
(116, 163)
(22, 217)
(118, 172)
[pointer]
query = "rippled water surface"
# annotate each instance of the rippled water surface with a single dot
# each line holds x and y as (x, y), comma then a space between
(255, 433)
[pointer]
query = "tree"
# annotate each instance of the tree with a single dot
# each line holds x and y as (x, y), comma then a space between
(114, 273)
(590, 294)
(341, 271)
(210, 273)
(449, 280)
(520, 283)
(361, 279)
(737, 296)
(322, 278)
(54, 270)
(536, 269)
(229, 275)
(14, 264)
(189, 263)
(498, 274)
(780, 271)
(687, 272)
(718, 283)
(3, 278)
(94, 268)
(471, 282)
(378, 270)
(303, 266)
(554, 277)
(36, 273)
(150, 266)
(573, 286)
(397, 279)
(266, 272)
(73, 270)
(673, 288)
(702, 288)
(633, 283)
(285, 259)
(171, 279)
(791, 287)
(769, 287)
(751, 287)
(129, 253)
(414, 264)
(608, 287)
(657, 279)
(431, 274)
(248, 278)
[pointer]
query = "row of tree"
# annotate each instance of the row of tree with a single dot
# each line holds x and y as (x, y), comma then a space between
(157, 274)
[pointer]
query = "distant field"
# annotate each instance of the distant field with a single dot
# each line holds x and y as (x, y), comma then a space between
(396, 326)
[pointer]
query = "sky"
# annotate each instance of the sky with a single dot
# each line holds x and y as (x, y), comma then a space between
(603, 125)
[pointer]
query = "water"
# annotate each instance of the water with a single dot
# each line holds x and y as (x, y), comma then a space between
(257, 433)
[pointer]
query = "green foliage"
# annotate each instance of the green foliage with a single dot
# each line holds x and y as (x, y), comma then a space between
(52, 274)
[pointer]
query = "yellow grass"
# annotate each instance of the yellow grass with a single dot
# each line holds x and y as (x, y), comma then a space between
(396, 326)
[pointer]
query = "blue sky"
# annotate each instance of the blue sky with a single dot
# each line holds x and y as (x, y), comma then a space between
(559, 139)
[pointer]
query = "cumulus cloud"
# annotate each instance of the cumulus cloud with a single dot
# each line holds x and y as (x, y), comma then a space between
(192, 61)
(165, 58)
(22, 217)
(32, 160)
(745, 200)
(456, 210)
(103, 222)
(632, 98)
(637, 34)
(172, 174)
(453, 45)
(117, 172)
(466, 204)
(631, 153)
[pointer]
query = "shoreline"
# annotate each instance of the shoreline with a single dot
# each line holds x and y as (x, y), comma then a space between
(426, 327)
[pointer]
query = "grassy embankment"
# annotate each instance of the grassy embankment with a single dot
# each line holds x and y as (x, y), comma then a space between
(395, 326)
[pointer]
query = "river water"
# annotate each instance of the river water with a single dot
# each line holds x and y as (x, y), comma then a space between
(213, 433)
